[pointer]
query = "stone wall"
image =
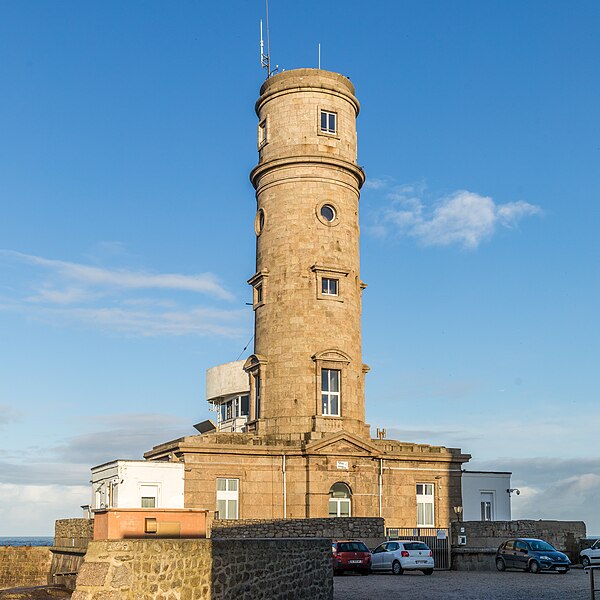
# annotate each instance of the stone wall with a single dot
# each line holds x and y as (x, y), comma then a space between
(24, 566)
(368, 529)
(485, 536)
(205, 569)
(71, 539)
(73, 533)
(473, 559)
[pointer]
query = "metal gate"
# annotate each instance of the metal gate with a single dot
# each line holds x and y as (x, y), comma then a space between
(437, 539)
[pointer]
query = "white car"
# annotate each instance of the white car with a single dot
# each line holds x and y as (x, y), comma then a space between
(591, 556)
(402, 555)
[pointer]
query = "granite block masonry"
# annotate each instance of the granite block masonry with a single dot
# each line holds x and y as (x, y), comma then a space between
(204, 569)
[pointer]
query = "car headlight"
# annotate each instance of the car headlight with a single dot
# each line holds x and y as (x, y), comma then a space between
(545, 558)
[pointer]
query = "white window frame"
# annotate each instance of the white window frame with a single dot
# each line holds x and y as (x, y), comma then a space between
(327, 395)
(149, 490)
(229, 494)
(338, 506)
(327, 129)
(326, 286)
(425, 497)
(486, 504)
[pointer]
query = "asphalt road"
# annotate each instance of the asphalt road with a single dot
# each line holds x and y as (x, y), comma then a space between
(466, 585)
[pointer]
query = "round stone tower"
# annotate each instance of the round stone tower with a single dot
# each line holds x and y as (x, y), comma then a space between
(306, 372)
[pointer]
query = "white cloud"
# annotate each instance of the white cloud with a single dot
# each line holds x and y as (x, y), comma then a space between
(42, 484)
(122, 278)
(463, 218)
(118, 300)
(553, 488)
(30, 510)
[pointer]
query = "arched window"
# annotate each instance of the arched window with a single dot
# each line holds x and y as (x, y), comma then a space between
(340, 500)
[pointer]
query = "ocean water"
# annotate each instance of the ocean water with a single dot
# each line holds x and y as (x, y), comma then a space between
(26, 541)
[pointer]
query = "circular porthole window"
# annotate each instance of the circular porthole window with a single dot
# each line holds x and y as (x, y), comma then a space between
(259, 221)
(328, 212)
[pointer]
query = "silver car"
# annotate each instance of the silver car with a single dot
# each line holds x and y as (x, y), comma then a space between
(402, 555)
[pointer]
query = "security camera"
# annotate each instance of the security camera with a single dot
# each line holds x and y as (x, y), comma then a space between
(514, 490)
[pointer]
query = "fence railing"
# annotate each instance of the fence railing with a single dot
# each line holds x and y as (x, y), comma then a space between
(593, 589)
(437, 539)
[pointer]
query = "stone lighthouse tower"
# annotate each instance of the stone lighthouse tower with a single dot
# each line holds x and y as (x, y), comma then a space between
(306, 373)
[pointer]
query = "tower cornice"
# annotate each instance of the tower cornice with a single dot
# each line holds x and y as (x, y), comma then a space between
(294, 161)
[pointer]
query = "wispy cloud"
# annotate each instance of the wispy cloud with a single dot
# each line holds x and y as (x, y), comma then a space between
(8, 414)
(463, 218)
(68, 462)
(121, 300)
(205, 283)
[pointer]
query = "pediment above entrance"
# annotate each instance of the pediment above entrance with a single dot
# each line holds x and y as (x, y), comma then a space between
(342, 443)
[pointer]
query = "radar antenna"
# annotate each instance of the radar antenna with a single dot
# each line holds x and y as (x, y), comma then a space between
(265, 59)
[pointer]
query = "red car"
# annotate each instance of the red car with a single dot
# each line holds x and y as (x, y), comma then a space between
(350, 555)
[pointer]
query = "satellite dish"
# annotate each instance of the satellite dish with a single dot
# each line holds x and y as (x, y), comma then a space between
(205, 426)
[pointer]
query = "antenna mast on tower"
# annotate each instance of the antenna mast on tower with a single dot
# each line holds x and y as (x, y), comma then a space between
(265, 59)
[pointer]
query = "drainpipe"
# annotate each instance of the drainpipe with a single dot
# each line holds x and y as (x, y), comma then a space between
(284, 487)
(380, 487)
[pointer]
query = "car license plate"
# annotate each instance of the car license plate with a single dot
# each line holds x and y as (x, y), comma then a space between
(421, 562)
(355, 561)
(561, 568)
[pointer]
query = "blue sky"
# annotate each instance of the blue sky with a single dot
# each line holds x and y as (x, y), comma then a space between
(126, 230)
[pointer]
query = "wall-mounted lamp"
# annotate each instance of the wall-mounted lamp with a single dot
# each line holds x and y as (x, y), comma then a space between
(458, 510)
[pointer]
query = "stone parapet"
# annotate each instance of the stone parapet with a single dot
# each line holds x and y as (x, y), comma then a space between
(338, 528)
(207, 570)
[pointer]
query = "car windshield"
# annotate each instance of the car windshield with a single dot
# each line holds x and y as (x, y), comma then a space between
(540, 545)
(416, 546)
(352, 547)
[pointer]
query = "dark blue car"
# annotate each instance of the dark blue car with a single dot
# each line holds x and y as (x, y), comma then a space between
(531, 555)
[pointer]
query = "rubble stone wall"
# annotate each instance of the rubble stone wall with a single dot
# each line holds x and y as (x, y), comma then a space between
(339, 528)
(485, 536)
(205, 569)
(24, 566)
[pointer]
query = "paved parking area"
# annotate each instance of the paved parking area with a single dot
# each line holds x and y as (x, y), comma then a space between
(465, 585)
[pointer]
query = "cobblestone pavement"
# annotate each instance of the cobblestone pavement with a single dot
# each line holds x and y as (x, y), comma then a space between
(465, 585)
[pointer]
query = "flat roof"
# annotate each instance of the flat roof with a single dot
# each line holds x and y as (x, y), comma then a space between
(489, 472)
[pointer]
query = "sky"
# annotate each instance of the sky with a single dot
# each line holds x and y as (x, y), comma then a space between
(126, 230)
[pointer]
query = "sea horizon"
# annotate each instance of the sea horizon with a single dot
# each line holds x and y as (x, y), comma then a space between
(26, 540)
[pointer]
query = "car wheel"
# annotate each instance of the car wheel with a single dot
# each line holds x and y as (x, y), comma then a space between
(427, 571)
(534, 566)
(585, 561)
(397, 568)
(500, 564)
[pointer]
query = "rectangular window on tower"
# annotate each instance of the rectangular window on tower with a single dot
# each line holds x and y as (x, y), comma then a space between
(257, 392)
(328, 122)
(329, 287)
(262, 133)
(330, 392)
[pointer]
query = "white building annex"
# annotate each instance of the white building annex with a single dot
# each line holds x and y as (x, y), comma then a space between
(486, 495)
(137, 484)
